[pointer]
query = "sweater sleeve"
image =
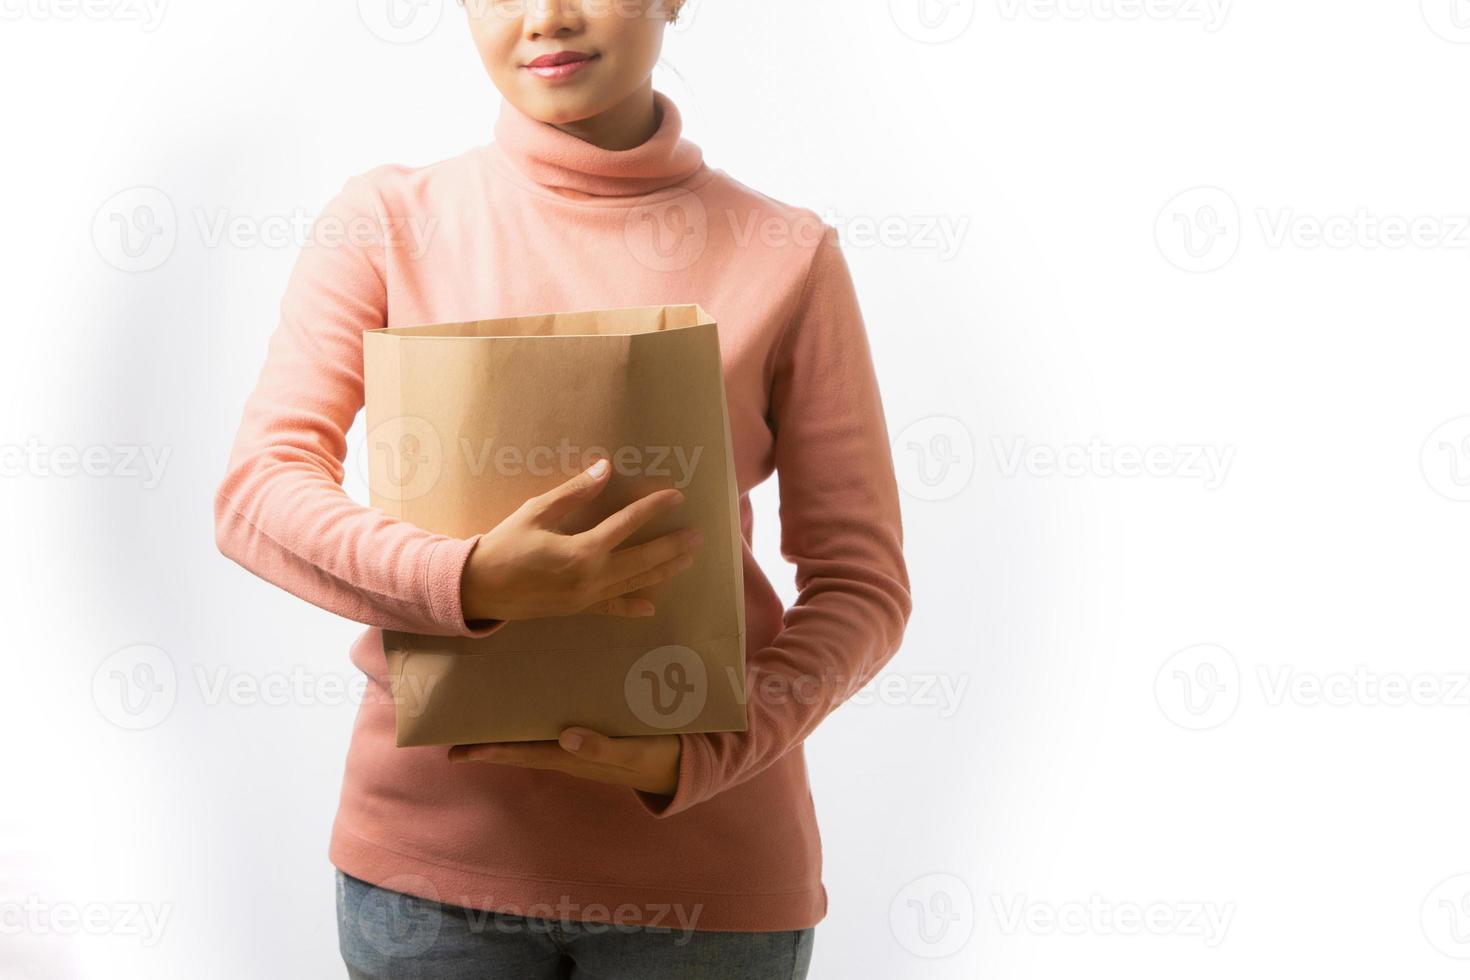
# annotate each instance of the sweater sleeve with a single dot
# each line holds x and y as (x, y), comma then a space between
(840, 526)
(280, 511)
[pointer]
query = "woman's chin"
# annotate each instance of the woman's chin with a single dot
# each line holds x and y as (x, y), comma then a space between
(561, 103)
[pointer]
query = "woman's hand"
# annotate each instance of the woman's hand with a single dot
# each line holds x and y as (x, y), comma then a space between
(525, 569)
(646, 762)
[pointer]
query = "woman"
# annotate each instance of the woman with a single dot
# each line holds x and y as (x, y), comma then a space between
(679, 856)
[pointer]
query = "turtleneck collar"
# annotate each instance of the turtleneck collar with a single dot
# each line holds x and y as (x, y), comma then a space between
(575, 168)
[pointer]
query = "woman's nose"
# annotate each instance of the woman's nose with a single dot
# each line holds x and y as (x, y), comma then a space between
(552, 18)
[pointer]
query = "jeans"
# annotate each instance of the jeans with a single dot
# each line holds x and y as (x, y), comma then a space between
(387, 935)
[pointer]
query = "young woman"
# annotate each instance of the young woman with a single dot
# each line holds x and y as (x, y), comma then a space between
(677, 856)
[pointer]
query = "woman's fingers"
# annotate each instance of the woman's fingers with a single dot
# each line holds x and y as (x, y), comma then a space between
(523, 568)
(576, 746)
(655, 575)
(621, 605)
(631, 562)
(647, 762)
(597, 749)
(553, 756)
(532, 755)
(559, 501)
(618, 527)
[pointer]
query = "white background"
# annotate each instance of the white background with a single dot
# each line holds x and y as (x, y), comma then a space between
(1230, 704)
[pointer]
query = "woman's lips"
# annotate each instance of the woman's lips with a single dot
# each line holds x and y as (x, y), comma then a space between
(563, 65)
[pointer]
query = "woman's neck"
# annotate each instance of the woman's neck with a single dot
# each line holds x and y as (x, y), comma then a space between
(631, 149)
(627, 124)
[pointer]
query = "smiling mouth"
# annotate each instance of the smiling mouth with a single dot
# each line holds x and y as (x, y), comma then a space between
(563, 64)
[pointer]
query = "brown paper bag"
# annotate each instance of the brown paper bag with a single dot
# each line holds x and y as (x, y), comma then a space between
(466, 421)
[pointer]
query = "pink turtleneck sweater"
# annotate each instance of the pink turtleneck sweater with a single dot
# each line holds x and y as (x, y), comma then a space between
(539, 221)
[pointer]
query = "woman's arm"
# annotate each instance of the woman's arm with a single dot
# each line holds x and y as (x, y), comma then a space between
(281, 511)
(840, 525)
